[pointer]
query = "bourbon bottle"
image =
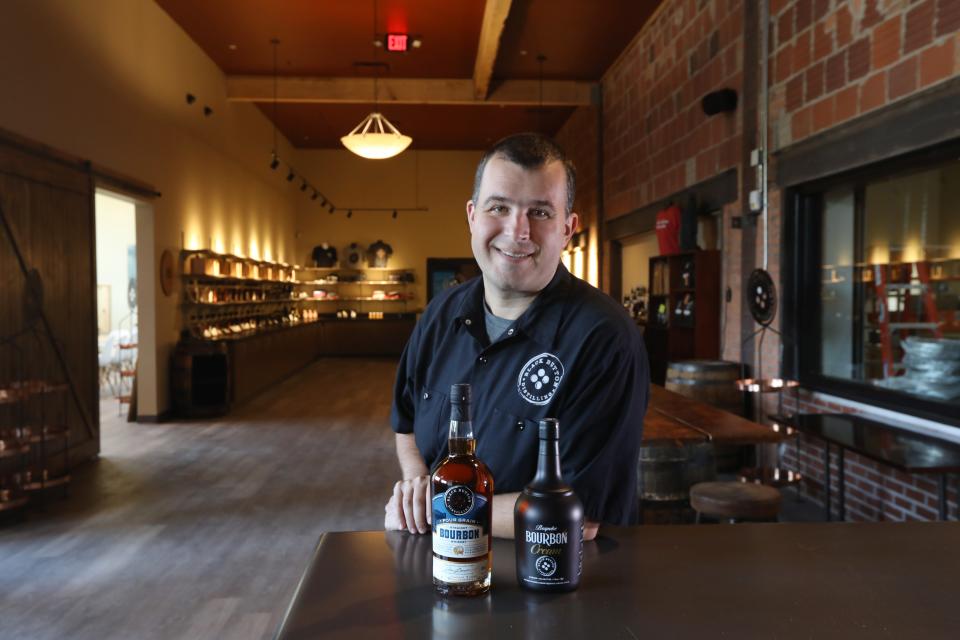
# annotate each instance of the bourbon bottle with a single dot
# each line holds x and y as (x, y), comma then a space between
(548, 523)
(462, 505)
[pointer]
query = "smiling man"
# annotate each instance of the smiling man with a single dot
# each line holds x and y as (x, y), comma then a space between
(534, 342)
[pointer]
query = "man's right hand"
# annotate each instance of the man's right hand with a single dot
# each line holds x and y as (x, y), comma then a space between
(409, 507)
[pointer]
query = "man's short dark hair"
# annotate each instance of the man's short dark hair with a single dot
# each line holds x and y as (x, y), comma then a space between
(530, 151)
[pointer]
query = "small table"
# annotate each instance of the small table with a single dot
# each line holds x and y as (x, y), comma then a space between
(909, 452)
(852, 581)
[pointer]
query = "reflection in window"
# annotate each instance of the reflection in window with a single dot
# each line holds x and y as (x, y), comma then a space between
(890, 286)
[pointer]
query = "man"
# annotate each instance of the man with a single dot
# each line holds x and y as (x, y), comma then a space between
(534, 342)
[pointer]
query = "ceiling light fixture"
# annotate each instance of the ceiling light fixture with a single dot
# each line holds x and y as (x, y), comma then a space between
(303, 185)
(375, 138)
(291, 175)
(315, 195)
(349, 213)
(394, 214)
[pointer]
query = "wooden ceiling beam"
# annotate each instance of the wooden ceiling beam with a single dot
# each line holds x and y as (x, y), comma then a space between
(494, 19)
(440, 91)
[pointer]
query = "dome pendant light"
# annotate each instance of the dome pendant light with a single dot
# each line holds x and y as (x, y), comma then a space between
(375, 137)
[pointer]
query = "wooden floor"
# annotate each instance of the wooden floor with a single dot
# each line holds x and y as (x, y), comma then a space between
(202, 529)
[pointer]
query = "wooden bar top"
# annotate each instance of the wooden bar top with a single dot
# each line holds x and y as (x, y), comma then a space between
(673, 417)
(881, 580)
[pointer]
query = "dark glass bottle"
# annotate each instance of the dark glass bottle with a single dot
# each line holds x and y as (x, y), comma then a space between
(548, 523)
(462, 505)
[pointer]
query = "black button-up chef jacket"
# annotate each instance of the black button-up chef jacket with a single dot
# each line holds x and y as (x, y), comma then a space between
(574, 355)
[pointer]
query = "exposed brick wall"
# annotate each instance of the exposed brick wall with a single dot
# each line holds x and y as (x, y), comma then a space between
(657, 139)
(831, 61)
(578, 137)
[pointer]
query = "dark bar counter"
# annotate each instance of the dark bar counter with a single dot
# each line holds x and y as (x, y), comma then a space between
(891, 580)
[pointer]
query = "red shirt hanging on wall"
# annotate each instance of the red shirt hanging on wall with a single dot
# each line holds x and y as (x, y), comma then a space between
(668, 230)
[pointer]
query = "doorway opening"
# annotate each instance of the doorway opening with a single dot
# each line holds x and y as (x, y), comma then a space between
(117, 296)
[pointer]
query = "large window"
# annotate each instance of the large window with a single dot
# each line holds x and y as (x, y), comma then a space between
(876, 286)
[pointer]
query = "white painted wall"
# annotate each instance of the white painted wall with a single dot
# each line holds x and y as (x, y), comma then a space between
(116, 231)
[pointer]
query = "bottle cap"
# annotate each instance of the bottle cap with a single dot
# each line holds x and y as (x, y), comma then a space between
(460, 393)
(549, 429)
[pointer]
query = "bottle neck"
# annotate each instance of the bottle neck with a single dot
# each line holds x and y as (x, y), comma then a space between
(548, 465)
(461, 441)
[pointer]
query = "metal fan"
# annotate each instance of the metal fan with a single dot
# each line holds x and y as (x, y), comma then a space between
(762, 296)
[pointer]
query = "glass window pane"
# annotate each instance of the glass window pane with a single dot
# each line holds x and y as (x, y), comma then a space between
(836, 289)
(890, 286)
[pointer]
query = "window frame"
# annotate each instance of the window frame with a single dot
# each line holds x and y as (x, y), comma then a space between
(801, 249)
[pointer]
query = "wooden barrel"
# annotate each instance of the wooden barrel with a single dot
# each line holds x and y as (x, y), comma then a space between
(710, 381)
(667, 471)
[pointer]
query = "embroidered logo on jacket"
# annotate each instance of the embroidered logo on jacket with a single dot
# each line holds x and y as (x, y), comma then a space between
(540, 378)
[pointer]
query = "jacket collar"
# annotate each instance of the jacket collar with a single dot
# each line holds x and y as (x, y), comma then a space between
(540, 321)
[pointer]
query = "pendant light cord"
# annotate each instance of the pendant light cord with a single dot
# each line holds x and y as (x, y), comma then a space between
(274, 42)
(376, 67)
(540, 60)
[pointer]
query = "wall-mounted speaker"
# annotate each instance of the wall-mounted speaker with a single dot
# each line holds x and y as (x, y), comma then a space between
(719, 101)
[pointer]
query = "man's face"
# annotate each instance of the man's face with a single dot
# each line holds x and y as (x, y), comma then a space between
(518, 227)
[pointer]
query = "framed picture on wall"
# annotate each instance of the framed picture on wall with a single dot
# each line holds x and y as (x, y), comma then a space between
(444, 273)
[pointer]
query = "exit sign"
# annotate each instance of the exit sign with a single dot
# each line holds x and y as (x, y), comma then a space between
(396, 42)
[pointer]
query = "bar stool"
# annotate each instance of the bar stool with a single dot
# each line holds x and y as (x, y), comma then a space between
(734, 501)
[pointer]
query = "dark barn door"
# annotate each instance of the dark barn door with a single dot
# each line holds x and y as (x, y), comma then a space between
(48, 343)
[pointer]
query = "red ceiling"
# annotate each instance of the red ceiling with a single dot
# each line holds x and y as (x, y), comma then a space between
(580, 39)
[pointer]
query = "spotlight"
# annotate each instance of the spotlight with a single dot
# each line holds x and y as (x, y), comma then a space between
(315, 195)
(207, 111)
(275, 162)
(291, 175)
(323, 201)
(349, 213)
(191, 98)
(332, 208)
(394, 214)
(303, 185)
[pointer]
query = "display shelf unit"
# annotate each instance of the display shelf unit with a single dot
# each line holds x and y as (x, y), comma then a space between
(379, 291)
(34, 440)
(249, 324)
(683, 318)
(227, 296)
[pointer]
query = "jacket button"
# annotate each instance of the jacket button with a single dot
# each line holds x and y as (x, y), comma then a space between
(509, 332)
(467, 322)
(483, 359)
(426, 395)
(520, 426)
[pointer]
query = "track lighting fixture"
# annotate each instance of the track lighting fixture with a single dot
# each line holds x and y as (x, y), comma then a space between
(315, 195)
(332, 208)
(323, 201)
(274, 162)
(303, 185)
(349, 213)
(394, 214)
(291, 175)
